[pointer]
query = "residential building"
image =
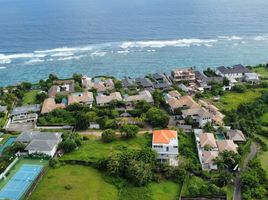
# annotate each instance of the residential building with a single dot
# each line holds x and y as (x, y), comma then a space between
(236, 135)
(237, 71)
(105, 99)
(183, 74)
(226, 145)
(63, 87)
(81, 97)
(87, 82)
(165, 143)
(174, 94)
(25, 114)
(142, 96)
(184, 102)
(49, 105)
(40, 142)
(207, 140)
(252, 78)
(103, 85)
(208, 158)
(145, 83)
(200, 115)
(128, 82)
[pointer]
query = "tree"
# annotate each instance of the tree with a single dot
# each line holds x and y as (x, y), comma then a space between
(78, 78)
(108, 135)
(40, 97)
(227, 160)
(81, 121)
(59, 98)
(11, 150)
(209, 128)
(52, 77)
(129, 131)
(139, 172)
(226, 81)
(68, 145)
(157, 117)
(2, 114)
(118, 84)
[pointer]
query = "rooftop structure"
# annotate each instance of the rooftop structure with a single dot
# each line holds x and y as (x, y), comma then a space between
(49, 105)
(142, 96)
(81, 97)
(35, 108)
(183, 74)
(104, 99)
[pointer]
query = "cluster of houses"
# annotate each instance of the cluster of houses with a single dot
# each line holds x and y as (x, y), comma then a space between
(209, 145)
(102, 91)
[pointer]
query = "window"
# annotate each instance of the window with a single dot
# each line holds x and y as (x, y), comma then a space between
(158, 146)
(175, 147)
(167, 148)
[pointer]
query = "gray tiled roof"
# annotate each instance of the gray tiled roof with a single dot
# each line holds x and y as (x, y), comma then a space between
(41, 145)
(127, 82)
(233, 70)
(144, 82)
(26, 109)
(27, 137)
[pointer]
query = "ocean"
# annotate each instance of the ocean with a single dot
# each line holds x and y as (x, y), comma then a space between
(127, 38)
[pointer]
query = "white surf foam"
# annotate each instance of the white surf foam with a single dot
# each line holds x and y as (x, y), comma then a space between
(33, 61)
(62, 54)
(2, 67)
(98, 54)
(70, 58)
(166, 43)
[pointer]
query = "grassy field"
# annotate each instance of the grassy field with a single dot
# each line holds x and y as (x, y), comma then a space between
(264, 155)
(29, 97)
(264, 118)
(84, 183)
(231, 100)
(262, 71)
(165, 190)
(94, 149)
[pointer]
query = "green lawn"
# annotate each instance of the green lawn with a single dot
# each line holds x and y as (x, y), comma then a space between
(264, 155)
(94, 149)
(264, 118)
(165, 190)
(29, 97)
(262, 71)
(231, 100)
(85, 183)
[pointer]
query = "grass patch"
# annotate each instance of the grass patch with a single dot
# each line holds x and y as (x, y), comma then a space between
(94, 149)
(3, 121)
(264, 119)
(264, 155)
(74, 182)
(229, 192)
(262, 71)
(165, 190)
(231, 100)
(135, 193)
(29, 97)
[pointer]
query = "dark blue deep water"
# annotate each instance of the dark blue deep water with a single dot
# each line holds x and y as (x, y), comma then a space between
(127, 37)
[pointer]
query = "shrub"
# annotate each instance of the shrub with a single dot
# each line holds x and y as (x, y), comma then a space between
(108, 136)
(129, 131)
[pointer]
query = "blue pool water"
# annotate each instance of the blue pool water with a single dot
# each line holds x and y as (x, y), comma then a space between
(127, 38)
(20, 182)
(9, 142)
(220, 136)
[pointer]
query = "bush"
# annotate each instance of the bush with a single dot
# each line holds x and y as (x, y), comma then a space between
(157, 117)
(108, 136)
(68, 145)
(129, 131)
(68, 187)
(240, 88)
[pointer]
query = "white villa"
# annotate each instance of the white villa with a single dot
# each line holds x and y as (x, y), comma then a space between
(165, 143)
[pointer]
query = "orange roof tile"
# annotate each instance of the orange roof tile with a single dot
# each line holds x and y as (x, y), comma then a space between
(163, 136)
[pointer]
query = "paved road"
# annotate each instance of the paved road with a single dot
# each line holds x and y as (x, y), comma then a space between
(238, 182)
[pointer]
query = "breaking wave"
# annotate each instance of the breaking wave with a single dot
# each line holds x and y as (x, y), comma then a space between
(101, 50)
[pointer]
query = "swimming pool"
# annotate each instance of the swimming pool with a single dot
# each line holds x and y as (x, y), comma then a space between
(220, 136)
(9, 142)
(20, 182)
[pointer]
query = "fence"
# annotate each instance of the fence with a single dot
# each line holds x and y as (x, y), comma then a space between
(8, 168)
